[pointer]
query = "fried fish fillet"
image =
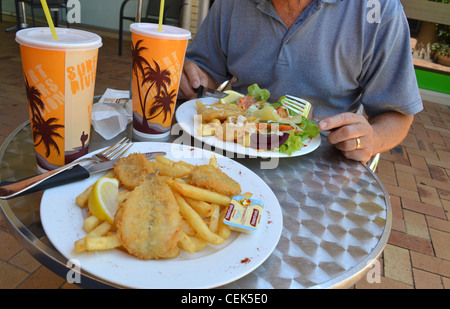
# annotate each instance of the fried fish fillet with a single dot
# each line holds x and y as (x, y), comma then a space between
(133, 169)
(148, 221)
(218, 111)
(212, 178)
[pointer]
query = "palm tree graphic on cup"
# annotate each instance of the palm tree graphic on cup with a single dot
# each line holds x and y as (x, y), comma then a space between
(155, 77)
(44, 130)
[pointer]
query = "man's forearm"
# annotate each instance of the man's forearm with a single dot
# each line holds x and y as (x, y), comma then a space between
(389, 130)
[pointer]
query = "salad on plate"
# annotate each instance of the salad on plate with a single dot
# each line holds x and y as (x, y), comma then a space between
(252, 121)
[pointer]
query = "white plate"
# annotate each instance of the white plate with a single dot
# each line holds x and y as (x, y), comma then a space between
(185, 116)
(214, 266)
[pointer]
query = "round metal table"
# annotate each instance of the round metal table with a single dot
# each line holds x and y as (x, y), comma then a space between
(337, 216)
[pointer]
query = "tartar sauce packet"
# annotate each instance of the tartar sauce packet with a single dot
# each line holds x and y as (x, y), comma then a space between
(244, 214)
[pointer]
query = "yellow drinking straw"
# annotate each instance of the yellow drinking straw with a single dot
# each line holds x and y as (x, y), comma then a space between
(49, 19)
(161, 15)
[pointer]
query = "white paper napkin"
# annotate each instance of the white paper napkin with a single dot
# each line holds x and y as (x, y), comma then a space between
(112, 113)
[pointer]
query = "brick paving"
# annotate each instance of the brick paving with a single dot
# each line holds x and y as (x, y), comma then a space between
(415, 173)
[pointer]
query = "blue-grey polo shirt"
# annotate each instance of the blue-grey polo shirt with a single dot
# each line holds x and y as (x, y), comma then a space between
(338, 54)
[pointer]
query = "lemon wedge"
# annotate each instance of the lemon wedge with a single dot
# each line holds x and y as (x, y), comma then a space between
(103, 199)
(231, 97)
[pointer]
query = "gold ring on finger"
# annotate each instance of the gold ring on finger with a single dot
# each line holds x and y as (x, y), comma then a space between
(358, 143)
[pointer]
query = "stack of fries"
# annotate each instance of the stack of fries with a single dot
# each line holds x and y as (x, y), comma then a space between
(236, 128)
(202, 211)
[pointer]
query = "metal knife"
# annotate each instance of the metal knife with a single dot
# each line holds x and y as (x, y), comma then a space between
(76, 173)
(213, 93)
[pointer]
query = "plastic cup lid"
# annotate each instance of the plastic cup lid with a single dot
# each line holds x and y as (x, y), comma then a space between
(68, 39)
(167, 32)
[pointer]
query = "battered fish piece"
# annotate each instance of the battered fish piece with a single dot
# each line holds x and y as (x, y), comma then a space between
(149, 222)
(133, 169)
(218, 111)
(212, 178)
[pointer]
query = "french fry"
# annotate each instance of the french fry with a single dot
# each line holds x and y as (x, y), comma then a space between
(173, 253)
(205, 129)
(186, 243)
(80, 245)
(197, 222)
(224, 230)
(100, 230)
(247, 194)
(122, 196)
(245, 140)
(164, 160)
(102, 242)
(200, 244)
(201, 207)
(187, 228)
(199, 193)
(215, 121)
(176, 170)
(91, 223)
(213, 161)
(171, 168)
(214, 219)
(82, 199)
(188, 165)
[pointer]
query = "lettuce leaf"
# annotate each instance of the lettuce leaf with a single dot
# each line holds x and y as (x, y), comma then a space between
(295, 140)
(293, 143)
(309, 128)
(260, 94)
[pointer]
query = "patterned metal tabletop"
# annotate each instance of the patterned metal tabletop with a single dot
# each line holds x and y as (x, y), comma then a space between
(337, 216)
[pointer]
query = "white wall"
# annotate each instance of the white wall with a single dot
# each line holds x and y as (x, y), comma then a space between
(105, 13)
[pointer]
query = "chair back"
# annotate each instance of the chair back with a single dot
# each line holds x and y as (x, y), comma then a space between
(50, 3)
(172, 11)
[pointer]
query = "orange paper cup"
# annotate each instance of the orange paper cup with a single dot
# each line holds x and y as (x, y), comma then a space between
(157, 62)
(60, 80)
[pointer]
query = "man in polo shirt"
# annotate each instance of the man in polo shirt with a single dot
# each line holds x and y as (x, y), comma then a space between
(337, 54)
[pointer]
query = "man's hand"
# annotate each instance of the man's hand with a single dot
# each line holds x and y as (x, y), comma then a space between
(359, 138)
(191, 78)
(352, 134)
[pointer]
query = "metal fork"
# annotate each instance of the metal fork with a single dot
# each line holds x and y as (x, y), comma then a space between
(115, 151)
(297, 105)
